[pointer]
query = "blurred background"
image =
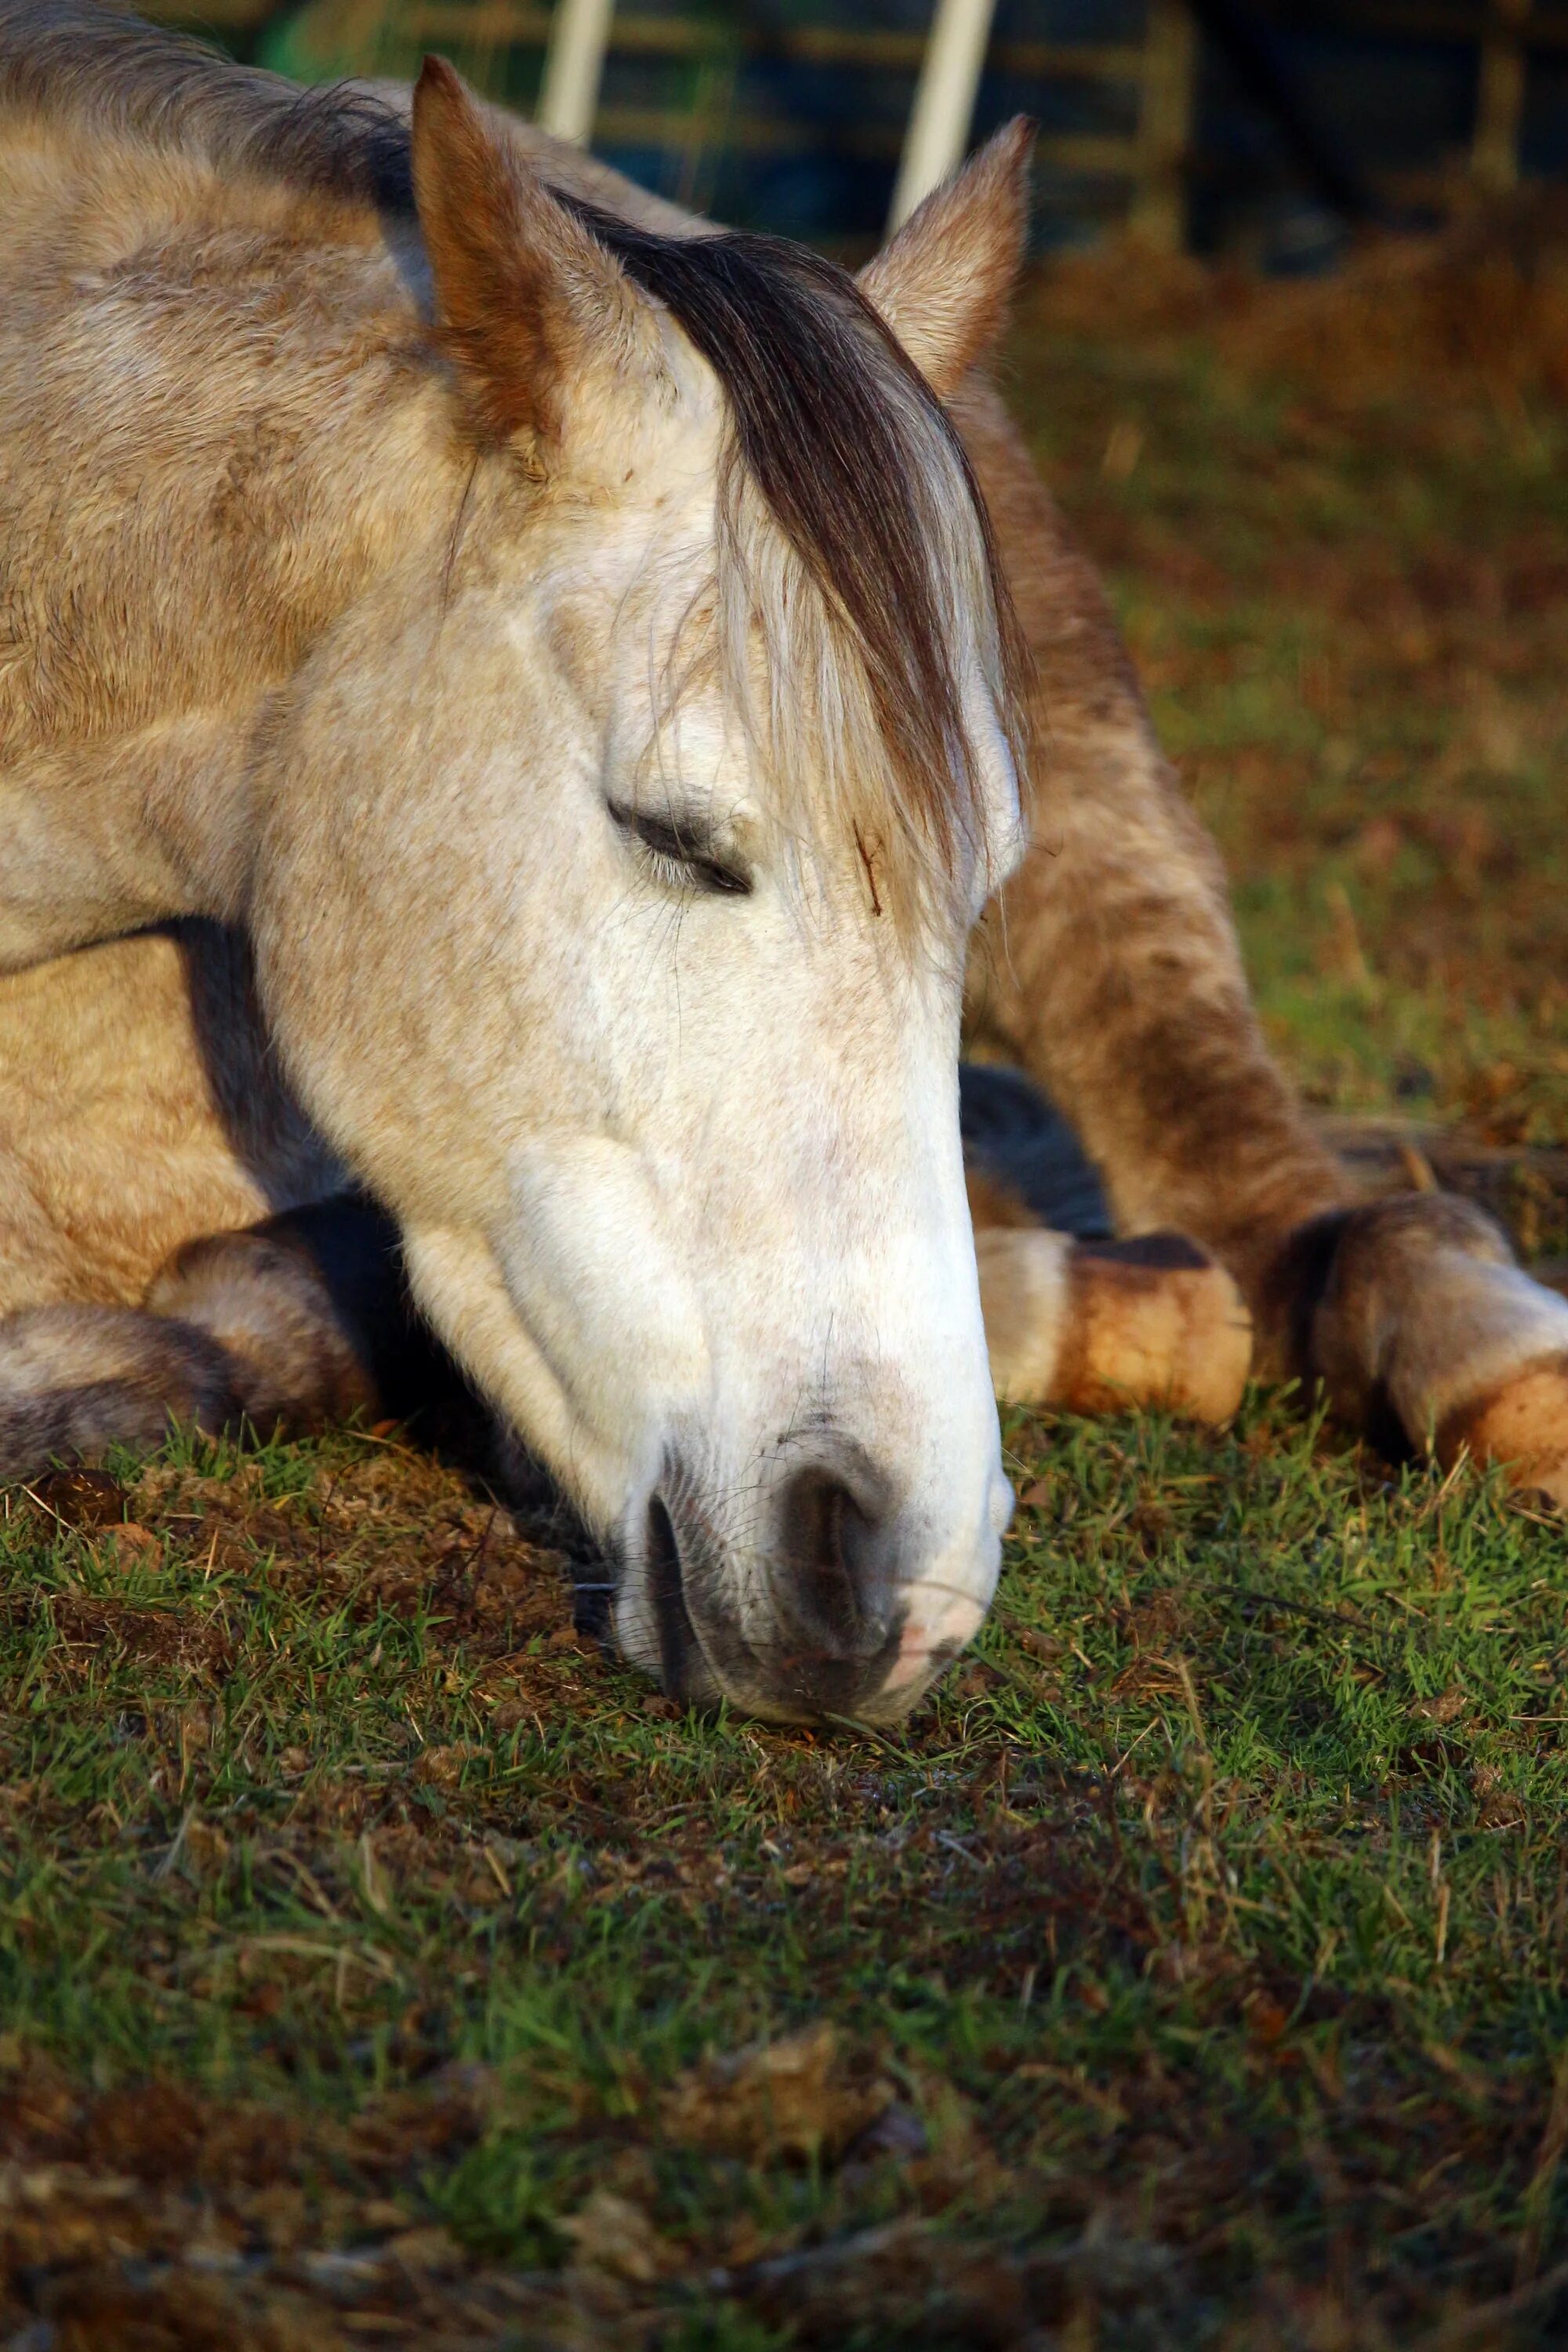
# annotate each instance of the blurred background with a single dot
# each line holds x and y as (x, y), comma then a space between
(1268, 130)
(1294, 356)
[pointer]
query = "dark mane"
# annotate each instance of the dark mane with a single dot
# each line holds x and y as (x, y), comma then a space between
(845, 443)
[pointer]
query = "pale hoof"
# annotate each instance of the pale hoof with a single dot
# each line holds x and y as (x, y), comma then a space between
(1110, 1326)
(1523, 1423)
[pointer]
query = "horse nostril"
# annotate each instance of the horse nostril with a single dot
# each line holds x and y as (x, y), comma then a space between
(835, 1583)
(666, 1595)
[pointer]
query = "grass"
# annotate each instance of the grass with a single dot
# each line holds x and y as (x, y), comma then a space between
(379, 1962)
(1348, 606)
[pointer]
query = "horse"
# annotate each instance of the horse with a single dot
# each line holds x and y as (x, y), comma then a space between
(530, 727)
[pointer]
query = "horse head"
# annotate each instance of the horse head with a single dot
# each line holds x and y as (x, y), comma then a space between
(619, 851)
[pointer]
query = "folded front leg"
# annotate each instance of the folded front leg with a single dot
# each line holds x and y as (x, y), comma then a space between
(75, 1379)
(1109, 970)
(292, 1324)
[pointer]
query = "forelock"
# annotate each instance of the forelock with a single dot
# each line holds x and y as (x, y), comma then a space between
(854, 550)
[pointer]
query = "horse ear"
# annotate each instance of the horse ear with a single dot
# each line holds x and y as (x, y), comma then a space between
(942, 284)
(525, 298)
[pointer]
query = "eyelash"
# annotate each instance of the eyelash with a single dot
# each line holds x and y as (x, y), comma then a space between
(679, 869)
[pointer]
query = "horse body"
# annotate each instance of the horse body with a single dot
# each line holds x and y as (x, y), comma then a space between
(218, 430)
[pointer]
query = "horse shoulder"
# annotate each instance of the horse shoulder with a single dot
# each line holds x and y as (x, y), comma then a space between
(140, 1110)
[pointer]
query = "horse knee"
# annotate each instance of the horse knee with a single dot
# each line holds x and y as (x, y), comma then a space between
(315, 1309)
(298, 1350)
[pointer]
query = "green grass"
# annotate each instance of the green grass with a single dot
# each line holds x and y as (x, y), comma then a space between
(1193, 1966)
(380, 1962)
(1350, 617)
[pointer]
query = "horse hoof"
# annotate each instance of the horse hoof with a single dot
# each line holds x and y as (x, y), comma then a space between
(1522, 1424)
(1113, 1327)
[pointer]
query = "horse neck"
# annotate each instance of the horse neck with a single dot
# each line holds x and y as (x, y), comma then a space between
(220, 426)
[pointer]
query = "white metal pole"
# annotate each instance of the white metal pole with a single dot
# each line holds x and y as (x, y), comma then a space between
(1500, 101)
(1157, 216)
(574, 67)
(944, 102)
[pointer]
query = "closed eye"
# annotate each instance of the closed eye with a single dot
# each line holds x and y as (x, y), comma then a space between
(681, 855)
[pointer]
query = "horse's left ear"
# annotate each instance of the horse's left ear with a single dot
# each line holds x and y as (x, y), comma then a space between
(529, 306)
(944, 283)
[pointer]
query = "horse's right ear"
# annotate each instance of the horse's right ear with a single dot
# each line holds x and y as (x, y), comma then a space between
(525, 298)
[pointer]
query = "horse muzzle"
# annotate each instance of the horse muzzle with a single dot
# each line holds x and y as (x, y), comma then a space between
(806, 1604)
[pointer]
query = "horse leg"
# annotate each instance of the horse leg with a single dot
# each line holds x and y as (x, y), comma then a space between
(1104, 1326)
(75, 1380)
(291, 1324)
(1108, 969)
